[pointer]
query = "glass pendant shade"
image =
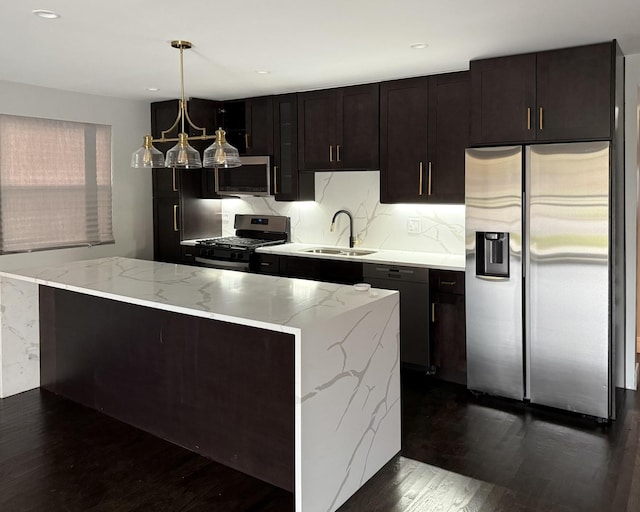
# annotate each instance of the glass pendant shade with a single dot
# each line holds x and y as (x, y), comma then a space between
(147, 157)
(221, 153)
(182, 155)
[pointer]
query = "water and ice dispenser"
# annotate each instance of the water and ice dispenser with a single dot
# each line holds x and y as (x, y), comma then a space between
(492, 253)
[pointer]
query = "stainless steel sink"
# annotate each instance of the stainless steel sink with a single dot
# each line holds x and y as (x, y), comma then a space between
(323, 251)
(343, 252)
(356, 252)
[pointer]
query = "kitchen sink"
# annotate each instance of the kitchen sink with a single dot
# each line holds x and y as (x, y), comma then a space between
(341, 252)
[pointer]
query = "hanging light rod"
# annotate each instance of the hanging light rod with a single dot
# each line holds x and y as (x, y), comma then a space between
(183, 155)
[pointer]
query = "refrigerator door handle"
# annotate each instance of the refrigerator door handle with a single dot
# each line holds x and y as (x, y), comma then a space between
(525, 239)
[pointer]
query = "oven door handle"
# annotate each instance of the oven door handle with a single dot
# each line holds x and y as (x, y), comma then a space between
(239, 265)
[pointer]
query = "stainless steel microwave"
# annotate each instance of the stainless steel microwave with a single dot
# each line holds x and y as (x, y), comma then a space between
(252, 178)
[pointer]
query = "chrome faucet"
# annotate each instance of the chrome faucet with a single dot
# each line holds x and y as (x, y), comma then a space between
(333, 225)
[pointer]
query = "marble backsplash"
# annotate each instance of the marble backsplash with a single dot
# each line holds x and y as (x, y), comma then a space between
(434, 228)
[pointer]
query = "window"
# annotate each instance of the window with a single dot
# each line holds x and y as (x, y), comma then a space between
(55, 184)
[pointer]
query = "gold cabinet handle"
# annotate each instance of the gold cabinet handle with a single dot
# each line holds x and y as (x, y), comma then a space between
(448, 283)
(330, 153)
(433, 312)
(420, 180)
(429, 181)
(275, 179)
(529, 118)
(247, 139)
(175, 186)
(175, 217)
(338, 152)
(540, 112)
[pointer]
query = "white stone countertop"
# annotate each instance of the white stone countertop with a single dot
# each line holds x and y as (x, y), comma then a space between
(380, 256)
(268, 302)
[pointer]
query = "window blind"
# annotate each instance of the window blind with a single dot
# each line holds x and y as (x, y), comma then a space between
(55, 184)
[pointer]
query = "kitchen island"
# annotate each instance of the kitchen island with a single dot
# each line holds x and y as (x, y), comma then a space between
(295, 382)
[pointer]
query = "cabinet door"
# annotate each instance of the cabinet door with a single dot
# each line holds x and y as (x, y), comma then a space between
(163, 115)
(166, 230)
(448, 330)
(503, 99)
(575, 93)
(330, 271)
(287, 185)
(449, 114)
(232, 118)
(166, 183)
(403, 140)
(448, 340)
(188, 254)
(259, 126)
(266, 264)
(357, 142)
(317, 115)
(203, 113)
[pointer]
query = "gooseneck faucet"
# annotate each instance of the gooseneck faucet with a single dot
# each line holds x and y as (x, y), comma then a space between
(333, 225)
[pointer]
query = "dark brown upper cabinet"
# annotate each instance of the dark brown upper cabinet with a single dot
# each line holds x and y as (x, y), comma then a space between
(338, 128)
(448, 136)
(424, 129)
(204, 114)
(557, 95)
(259, 126)
(288, 183)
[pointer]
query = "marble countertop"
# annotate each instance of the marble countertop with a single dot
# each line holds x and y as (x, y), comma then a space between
(380, 256)
(268, 302)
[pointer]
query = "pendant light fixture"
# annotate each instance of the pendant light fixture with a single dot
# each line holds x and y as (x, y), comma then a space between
(183, 155)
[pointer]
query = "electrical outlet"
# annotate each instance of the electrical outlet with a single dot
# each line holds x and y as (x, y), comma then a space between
(225, 217)
(413, 225)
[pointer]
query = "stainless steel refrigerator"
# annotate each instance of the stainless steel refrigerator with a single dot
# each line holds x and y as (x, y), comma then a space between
(539, 274)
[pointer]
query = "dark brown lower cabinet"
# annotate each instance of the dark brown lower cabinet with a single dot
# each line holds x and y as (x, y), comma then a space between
(166, 229)
(317, 269)
(448, 330)
(268, 264)
(225, 391)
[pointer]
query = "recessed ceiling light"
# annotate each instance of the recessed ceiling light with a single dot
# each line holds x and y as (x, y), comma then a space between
(418, 46)
(48, 15)
(153, 89)
(263, 72)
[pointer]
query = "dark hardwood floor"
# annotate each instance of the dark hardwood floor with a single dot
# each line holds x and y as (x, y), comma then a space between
(460, 453)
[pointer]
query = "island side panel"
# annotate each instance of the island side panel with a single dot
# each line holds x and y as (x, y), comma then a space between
(349, 403)
(19, 336)
(223, 390)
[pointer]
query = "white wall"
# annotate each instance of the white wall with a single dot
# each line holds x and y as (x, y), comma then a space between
(377, 226)
(132, 202)
(632, 83)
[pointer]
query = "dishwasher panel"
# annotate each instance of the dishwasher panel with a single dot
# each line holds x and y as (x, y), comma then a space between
(413, 285)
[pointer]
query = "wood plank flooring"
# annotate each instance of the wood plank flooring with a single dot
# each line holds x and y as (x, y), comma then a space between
(460, 453)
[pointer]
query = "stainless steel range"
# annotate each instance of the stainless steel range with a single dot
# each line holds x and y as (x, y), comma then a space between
(237, 252)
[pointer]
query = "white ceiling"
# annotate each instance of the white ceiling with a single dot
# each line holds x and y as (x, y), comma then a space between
(121, 47)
